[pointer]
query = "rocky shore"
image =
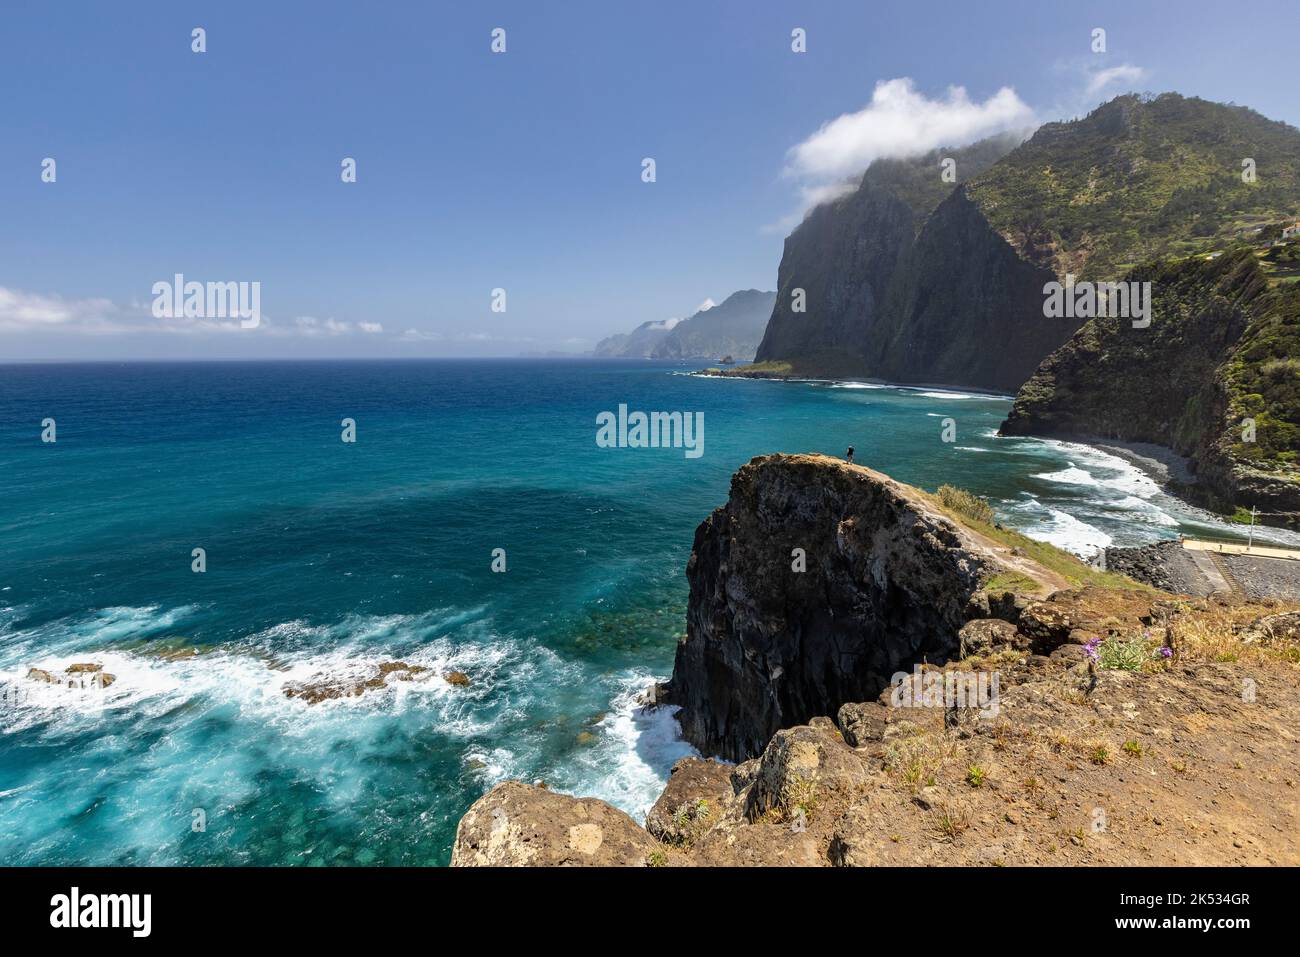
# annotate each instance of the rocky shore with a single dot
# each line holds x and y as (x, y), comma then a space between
(925, 688)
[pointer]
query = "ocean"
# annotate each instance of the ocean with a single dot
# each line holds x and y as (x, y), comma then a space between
(328, 558)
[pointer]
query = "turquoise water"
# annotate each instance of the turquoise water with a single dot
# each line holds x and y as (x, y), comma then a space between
(328, 558)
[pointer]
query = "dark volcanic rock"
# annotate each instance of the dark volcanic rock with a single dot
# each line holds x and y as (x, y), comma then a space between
(887, 583)
(1163, 565)
(904, 279)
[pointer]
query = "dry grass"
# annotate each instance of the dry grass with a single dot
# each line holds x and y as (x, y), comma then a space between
(965, 503)
(1215, 635)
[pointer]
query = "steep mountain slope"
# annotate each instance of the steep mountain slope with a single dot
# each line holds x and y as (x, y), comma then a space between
(923, 304)
(845, 257)
(732, 328)
(1223, 348)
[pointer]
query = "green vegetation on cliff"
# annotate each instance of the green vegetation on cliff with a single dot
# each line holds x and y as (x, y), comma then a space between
(1262, 379)
(1215, 377)
(910, 279)
(1138, 179)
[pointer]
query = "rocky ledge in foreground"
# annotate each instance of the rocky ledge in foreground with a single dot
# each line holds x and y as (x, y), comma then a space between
(1105, 723)
(1189, 760)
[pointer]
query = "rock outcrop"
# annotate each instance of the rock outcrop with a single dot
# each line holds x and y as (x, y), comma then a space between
(815, 583)
(1103, 694)
(1187, 769)
(325, 687)
(516, 825)
(77, 675)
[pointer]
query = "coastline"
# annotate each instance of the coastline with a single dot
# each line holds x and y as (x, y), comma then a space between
(863, 380)
(1172, 472)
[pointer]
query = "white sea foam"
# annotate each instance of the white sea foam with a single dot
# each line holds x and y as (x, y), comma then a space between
(634, 751)
(938, 394)
(1058, 527)
(251, 676)
(1065, 531)
(1070, 476)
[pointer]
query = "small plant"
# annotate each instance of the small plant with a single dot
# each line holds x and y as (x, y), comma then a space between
(800, 799)
(912, 773)
(1133, 747)
(1099, 755)
(1118, 654)
(1179, 765)
(951, 820)
(656, 859)
(975, 776)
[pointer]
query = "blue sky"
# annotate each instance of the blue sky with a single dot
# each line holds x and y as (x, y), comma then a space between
(520, 170)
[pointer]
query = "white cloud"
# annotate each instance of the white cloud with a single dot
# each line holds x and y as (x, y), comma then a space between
(31, 314)
(1125, 74)
(32, 311)
(311, 326)
(705, 306)
(898, 122)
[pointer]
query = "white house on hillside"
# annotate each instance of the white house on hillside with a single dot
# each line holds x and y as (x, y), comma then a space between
(1292, 231)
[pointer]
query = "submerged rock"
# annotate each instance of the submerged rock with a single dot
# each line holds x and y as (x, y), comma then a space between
(329, 687)
(84, 675)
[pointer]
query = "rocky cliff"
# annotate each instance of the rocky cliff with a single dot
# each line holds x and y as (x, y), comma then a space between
(915, 284)
(809, 588)
(866, 262)
(1215, 377)
(1102, 694)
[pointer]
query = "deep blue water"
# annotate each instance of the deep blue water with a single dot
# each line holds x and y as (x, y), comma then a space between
(325, 557)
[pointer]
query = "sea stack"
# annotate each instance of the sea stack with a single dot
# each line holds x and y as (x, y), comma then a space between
(815, 583)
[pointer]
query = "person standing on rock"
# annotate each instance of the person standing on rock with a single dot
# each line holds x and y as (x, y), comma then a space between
(848, 456)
